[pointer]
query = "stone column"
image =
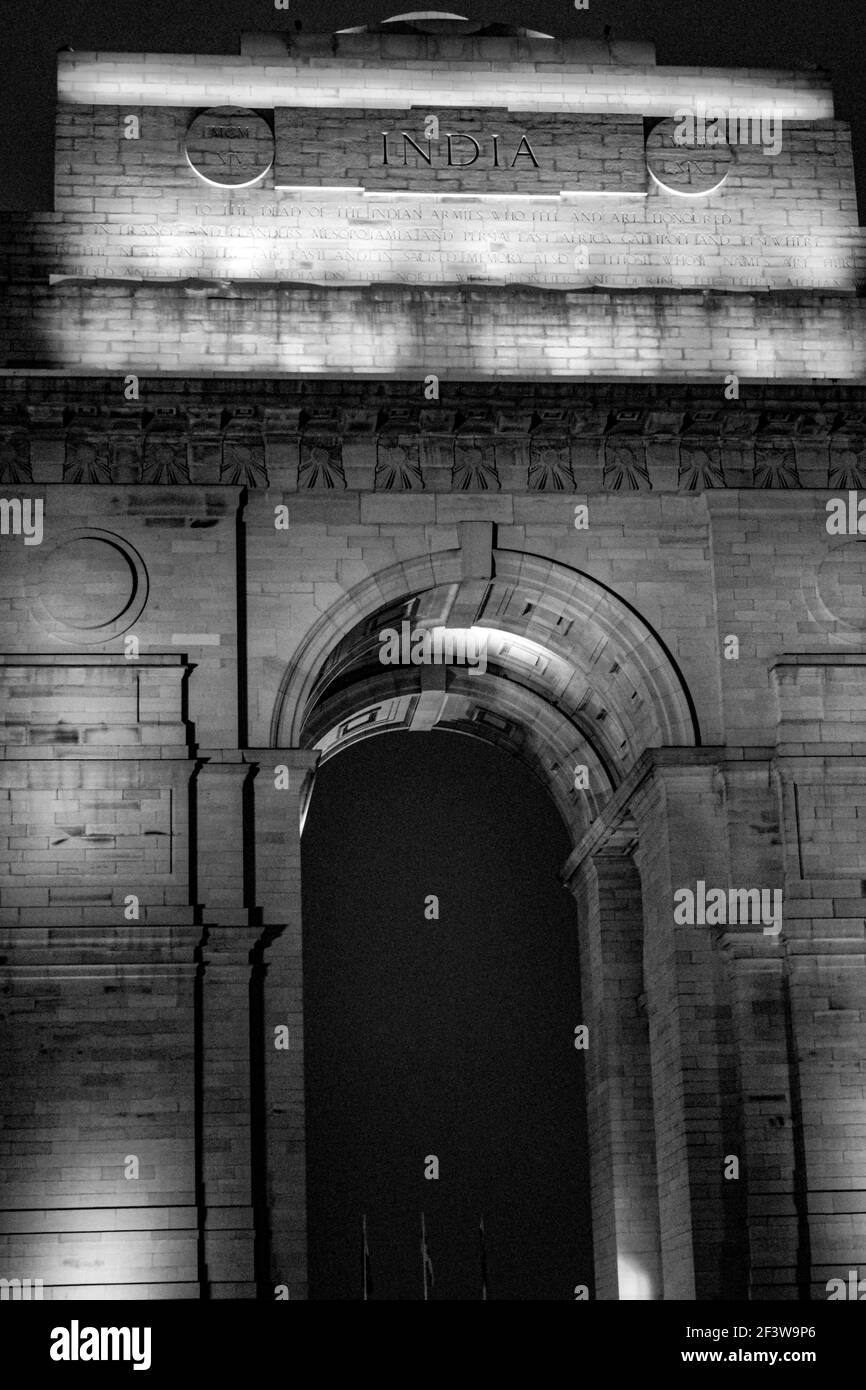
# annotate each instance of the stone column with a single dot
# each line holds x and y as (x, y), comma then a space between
(772, 1140)
(625, 1220)
(276, 815)
(683, 838)
(757, 966)
(227, 1220)
(821, 775)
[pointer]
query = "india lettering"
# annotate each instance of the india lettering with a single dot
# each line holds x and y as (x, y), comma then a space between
(457, 150)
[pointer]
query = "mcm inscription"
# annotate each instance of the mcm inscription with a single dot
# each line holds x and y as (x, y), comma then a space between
(226, 132)
(229, 148)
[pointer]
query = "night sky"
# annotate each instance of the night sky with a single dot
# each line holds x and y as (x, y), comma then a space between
(452, 1038)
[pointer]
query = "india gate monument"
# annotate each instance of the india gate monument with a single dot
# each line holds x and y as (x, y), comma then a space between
(437, 377)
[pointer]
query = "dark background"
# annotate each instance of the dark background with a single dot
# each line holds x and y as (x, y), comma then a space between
(741, 33)
(452, 1037)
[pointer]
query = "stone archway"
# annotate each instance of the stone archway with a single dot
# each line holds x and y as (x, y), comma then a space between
(574, 678)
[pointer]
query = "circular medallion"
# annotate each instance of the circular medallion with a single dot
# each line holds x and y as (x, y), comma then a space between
(834, 592)
(92, 585)
(230, 147)
(687, 167)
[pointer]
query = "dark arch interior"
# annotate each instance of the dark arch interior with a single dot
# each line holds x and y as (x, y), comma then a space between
(452, 1038)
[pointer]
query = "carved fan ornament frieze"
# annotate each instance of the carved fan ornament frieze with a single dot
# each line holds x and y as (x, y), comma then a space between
(86, 459)
(396, 444)
(700, 465)
(398, 465)
(165, 459)
(848, 463)
(474, 468)
(550, 466)
(625, 465)
(321, 464)
(243, 462)
(15, 458)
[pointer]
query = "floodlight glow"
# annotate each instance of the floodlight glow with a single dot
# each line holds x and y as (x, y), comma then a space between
(602, 193)
(320, 188)
(524, 645)
(465, 197)
(423, 14)
(678, 193)
(209, 81)
(223, 187)
(635, 1284)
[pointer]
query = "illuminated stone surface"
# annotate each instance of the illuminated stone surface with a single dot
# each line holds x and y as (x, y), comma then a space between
(539, 148)
(281, 340)
(86, 582)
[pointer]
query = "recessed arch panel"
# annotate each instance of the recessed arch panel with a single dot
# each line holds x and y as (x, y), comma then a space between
(492, 709)
(604, 680)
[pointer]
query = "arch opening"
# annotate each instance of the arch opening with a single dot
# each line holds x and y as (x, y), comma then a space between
(447, 1035)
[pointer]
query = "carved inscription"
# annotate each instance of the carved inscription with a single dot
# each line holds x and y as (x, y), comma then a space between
(406, 241)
